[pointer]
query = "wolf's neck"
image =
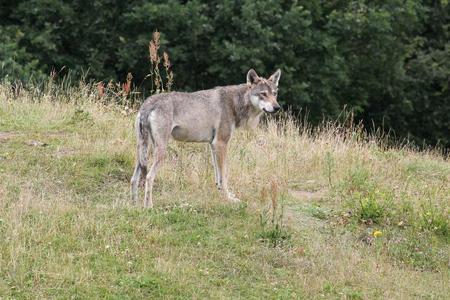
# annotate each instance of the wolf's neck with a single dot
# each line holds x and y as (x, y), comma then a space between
(246, 114)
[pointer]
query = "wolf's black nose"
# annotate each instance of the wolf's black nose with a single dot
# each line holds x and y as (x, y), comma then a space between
(276, 108)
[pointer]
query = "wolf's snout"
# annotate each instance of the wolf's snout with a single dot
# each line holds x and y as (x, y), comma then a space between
(272, 109)
(276, 108)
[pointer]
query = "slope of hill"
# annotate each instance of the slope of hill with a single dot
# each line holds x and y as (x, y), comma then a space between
(352, 219)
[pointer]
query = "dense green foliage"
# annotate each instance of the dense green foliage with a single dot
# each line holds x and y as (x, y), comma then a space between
(389, 61)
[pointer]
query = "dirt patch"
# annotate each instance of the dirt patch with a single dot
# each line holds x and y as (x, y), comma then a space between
(4, 135)
(35, 143)
(62, 152)
(59, 133)
(306, 195)
(305, 213)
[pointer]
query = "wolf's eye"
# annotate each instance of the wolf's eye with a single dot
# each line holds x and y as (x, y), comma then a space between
(263, 93)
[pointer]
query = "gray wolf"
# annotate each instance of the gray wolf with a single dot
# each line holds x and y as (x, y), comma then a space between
(208, 116)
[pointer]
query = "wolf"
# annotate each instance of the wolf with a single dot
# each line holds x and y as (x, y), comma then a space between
(208, 116)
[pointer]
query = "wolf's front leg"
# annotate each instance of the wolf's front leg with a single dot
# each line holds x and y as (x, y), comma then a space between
(220, 149)
(214, 162)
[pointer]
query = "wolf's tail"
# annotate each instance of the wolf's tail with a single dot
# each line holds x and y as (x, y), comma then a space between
(142, 136)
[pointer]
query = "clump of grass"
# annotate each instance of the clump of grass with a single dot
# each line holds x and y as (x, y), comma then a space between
(273, 231)
(81, 116)
(369, 203)
(435, 219)
(374, 207)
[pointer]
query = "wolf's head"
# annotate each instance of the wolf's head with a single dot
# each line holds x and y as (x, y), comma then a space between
(263, 92)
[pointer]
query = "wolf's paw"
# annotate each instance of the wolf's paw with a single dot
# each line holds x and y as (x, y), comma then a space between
(232, 198)
(148, 203)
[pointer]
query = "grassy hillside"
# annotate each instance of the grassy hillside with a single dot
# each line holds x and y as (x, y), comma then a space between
(67, 229)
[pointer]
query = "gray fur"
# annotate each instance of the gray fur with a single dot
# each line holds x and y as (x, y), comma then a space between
(208, 116)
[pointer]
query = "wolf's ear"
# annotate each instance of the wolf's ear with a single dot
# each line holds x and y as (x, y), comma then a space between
(275, 77)
(252, 77)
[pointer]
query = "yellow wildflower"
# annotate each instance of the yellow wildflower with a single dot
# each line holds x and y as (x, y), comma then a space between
(377, 234)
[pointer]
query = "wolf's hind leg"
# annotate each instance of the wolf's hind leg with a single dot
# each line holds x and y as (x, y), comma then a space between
(134, 183)
(159, 154)
(161, 127)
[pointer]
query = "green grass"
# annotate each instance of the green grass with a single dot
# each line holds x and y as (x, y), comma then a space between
(67, 229)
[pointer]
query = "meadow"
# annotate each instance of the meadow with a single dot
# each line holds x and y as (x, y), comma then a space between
(326, 213)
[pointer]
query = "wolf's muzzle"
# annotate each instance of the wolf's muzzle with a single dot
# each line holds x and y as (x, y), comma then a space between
(275, 109)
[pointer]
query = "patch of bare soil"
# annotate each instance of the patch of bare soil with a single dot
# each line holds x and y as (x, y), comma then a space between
(35, 143)
(5, 135)
(59, 133)
(306, 195)
(48, 134)
(304, 213)
(62, 152)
